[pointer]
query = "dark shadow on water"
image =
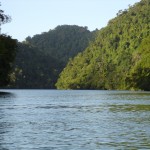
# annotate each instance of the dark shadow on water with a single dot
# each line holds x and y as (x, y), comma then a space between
(6, 94)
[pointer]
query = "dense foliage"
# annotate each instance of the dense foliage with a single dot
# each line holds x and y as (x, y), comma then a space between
(40, 59)
(119, 58)
(7, 55)
(34, 69)
(7, 52)
(63, 42)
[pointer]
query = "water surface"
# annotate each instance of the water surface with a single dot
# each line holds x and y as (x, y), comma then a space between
(74, 120)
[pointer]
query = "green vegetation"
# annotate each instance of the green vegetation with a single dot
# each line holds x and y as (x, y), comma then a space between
(63, 42)
(140, 73)
(119, 57)
(115, 57)
(34, 69)
(40, 59)
(7, 52)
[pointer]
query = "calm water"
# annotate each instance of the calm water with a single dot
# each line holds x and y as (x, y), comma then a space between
(74, 120)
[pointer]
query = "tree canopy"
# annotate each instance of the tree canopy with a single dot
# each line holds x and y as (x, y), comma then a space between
(7, 52)
(40, 59)
(119, 56)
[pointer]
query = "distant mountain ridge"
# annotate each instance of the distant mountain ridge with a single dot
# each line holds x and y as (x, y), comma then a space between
(63, 42)
(119, 57)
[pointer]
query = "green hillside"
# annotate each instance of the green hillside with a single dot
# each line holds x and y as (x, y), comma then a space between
(40, 59)
(119, 58)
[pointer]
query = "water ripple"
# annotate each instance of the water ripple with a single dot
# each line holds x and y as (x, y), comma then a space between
(74, 120)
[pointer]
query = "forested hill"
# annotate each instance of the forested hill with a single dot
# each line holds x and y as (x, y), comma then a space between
(63, 42)
(40, 59)
(119, 58)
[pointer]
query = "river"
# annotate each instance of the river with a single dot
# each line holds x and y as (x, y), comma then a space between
(74, 120)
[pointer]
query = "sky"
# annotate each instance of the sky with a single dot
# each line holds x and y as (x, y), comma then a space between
(31, 17)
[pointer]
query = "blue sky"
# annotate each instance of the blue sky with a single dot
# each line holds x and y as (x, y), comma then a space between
(30, 17)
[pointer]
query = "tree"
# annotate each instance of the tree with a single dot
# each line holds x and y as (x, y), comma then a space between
(3, 18)
(7, 52)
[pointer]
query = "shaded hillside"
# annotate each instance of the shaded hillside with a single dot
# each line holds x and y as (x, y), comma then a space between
(63, 42)
(119, 58)
(40, 59)
(34, 69)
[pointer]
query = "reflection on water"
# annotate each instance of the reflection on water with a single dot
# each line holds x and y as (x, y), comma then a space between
(130, 108)
(6, 95)
(74, 120)
(3, 94)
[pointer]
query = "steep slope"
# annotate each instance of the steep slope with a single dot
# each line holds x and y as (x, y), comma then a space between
(119, 58)
(40, 59)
